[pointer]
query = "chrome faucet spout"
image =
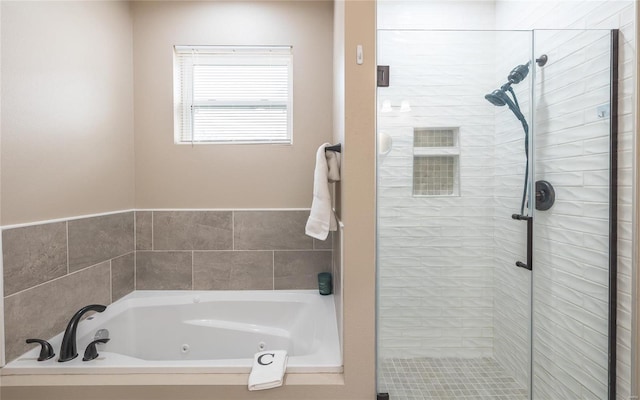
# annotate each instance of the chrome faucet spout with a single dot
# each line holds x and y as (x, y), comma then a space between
(68, 349)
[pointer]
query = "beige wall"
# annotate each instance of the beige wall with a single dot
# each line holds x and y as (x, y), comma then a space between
(229, 176)
(357, 199)
(356, 127)
(2, 355)
(67, 131)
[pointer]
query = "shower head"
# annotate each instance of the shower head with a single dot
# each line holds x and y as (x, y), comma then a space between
(518, 74)
(500, 98)
(497, 97)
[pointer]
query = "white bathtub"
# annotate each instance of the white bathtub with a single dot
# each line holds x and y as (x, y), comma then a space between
(201, 332)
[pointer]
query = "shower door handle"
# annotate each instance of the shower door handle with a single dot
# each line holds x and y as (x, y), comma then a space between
(529, 264)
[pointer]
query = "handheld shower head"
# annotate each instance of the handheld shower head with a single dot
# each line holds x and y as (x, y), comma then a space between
(499, 97)
(496, 97)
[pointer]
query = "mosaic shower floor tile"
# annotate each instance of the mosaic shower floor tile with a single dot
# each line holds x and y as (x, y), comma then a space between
(447, 379)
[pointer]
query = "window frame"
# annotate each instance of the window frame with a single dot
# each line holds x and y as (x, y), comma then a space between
(186, 58)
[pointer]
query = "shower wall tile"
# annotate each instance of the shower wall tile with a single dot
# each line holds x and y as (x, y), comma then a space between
(33, 255)
(123, 276)
(233, 270)
(45, 310)
(164, 270)
(144, 230)
(435, 253)
(192, 230)
(569, 137)
(300, 269)
(93, 240)
(271, 230)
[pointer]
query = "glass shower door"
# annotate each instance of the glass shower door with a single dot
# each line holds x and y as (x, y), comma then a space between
(574, 240)
(453, 308)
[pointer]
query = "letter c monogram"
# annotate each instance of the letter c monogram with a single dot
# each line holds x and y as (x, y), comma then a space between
(266, 354)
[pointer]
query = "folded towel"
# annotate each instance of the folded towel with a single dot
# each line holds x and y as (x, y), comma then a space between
(321, 218)
(268, 369)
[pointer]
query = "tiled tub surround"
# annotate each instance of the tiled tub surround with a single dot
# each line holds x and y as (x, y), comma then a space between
(227, 250)
(53, 269)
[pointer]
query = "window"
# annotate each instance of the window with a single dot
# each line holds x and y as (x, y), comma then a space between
(225, 94)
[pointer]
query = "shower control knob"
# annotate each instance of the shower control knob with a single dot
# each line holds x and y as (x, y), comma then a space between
(545, 195)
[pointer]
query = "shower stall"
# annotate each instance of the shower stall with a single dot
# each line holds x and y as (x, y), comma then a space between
(496, 209)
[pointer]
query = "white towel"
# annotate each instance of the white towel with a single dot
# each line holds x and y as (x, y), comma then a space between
(268, 369)
(321, 218)
(333, 164)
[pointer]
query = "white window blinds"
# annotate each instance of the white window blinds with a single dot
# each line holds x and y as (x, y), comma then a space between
(228, 94)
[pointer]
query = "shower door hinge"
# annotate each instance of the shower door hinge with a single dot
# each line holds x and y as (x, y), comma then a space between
(383, 76)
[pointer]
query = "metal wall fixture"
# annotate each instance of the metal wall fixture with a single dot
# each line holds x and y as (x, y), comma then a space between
(545, 195)
(542, 60)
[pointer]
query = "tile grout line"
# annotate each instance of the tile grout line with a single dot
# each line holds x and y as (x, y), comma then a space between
(111, 280)
(193, 278)
(66, 224)
(135, 247)
(273, 270)
(238, 251)
(135, 265)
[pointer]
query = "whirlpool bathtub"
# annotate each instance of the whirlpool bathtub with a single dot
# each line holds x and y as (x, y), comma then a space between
(201, 332)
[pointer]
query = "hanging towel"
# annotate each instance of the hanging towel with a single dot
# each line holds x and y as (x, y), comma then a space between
(268, 369)
(321, 218)
(333, 164)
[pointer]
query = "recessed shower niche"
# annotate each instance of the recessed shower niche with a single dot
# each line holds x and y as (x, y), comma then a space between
(435, 162)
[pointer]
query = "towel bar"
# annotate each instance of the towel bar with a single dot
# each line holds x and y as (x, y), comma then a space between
(336, 147)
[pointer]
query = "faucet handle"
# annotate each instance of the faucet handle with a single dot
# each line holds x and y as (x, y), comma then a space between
(46, 351)
(91, 351)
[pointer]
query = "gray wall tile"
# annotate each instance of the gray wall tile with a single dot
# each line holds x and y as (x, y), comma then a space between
(144, 236)
(45, 310)
(33, 255)
(233, 270)
(324, 244)
(192, 230)
(299, 269)
(122, 276)
(271, 230)
(163, 270)
(96, 239)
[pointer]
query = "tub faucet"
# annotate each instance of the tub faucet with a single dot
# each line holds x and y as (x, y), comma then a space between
(68, 350)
